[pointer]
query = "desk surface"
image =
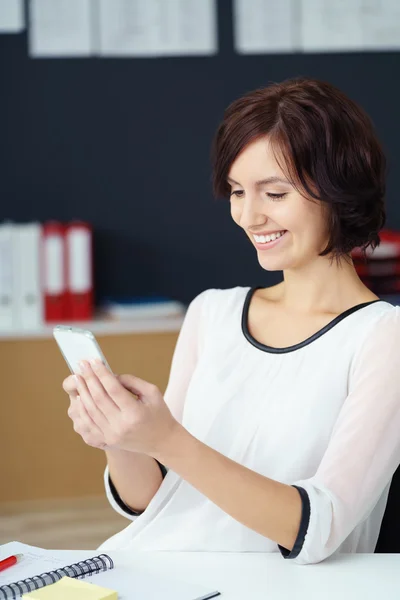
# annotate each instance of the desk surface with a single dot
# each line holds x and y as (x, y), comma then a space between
(257, 576)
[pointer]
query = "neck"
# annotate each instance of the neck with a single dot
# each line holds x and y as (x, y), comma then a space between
(323, 286)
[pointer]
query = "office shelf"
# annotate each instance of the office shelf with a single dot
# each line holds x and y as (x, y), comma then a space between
(102, 326)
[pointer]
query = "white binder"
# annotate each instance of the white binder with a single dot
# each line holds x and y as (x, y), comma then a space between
(28, 294)
(7, 308)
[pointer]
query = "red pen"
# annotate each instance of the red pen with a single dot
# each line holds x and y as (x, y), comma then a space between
(10, 561)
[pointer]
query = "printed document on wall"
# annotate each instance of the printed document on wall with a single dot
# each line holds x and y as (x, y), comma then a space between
(265, 26)
(59, 28)
(11, 16)
(350, 25)
(151, 28)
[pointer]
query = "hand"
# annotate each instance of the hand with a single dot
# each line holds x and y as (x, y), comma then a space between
(83, 423)
(129, 413)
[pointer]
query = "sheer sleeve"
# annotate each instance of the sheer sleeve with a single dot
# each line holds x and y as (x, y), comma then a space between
(182, 366)
(185, 357)
(364, 449)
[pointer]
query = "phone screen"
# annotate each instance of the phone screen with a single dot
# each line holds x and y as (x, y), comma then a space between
(76, 345)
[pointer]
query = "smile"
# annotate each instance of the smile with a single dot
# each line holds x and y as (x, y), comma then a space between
(262, 239)
(264, 242)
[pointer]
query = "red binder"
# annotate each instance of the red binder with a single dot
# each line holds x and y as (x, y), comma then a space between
(381, 271)
(78, 243)
(53, 271)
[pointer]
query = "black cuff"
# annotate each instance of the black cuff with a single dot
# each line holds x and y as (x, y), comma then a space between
(305, 520)
(122, 504)
(163, 469)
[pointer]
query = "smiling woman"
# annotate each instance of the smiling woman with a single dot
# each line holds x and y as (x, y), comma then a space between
(278, 430)
(303, 140)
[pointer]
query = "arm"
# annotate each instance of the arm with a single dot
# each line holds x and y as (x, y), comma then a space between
(360, 460)
(275, 507)
(132, 479)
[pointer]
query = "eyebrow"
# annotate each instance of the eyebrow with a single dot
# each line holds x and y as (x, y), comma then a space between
(261, 182)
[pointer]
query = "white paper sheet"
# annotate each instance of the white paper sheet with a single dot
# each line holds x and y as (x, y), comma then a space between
(265, 26)
(136, 583)
(35, 561)
(350, 25)
(149, 28)
(61, 27)
(127, 580)
(11, 16)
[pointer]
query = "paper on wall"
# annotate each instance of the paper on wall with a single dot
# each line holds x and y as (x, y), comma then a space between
(61, 28)
(350, 25)
(11, 16)
(149, 28)
(265, 26)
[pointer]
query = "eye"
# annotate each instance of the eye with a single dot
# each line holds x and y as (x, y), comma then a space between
(276, 196)
(237, 193)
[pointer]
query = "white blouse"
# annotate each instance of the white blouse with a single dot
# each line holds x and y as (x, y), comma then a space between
(323, 415)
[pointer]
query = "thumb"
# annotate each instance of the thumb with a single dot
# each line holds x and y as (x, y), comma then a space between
(134, 384)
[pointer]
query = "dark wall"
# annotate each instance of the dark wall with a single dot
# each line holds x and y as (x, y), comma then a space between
(124, 143)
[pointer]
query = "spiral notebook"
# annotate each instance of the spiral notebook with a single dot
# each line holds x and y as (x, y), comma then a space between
(79, 570)
(40, 568)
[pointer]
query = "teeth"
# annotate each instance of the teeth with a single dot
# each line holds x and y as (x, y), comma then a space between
(263, 239)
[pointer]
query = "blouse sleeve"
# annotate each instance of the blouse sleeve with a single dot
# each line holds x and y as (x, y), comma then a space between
(185, 357)
(364, 449)
(182, 366)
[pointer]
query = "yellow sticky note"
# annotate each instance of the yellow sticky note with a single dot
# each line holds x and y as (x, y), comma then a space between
(72, 589)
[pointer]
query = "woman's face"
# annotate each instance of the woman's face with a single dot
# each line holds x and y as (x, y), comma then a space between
(263, 201)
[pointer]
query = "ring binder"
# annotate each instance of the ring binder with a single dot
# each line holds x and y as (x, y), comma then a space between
(79, 570)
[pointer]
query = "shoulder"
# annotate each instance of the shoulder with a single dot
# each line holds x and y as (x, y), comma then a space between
(378, 323)
(367, 319)
(214, 305)
(382, 315)
(214, 297)
(386, 324)
(379, 339)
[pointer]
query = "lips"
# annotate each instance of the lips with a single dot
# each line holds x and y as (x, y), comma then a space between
(261, 238)
(268, 245)
(269, 232)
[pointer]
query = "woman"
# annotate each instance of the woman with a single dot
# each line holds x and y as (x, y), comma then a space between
(279, 428)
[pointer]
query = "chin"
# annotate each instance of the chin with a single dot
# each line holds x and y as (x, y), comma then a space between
(272, 265)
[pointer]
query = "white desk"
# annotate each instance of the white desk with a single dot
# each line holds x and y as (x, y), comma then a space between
(255, 576)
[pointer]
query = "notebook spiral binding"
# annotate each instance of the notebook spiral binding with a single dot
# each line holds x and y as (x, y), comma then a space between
(79, 570)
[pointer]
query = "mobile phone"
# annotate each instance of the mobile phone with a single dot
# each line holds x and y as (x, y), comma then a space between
(77, 344)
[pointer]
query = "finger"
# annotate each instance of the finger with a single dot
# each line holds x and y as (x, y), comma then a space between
(99, 395)
(91, 406)
(84, 424)
(73, 409)
(125, 380)
(89, 430)
(138, 386)
(69, 386)
(112, 385)
(104, 402)
(77, 417)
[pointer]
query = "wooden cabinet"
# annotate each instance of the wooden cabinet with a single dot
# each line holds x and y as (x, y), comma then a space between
(42, 456)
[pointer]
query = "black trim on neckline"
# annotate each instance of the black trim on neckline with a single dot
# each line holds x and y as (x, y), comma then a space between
(265, 348)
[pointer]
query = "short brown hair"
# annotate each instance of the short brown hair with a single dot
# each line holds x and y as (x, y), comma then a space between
(329, 149)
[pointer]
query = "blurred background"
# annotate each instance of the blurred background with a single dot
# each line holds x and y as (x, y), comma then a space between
(108, 109)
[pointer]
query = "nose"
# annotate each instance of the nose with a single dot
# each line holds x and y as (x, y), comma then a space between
(252, 212)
